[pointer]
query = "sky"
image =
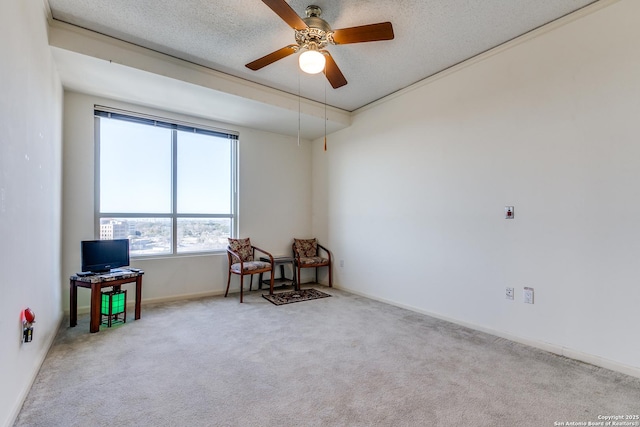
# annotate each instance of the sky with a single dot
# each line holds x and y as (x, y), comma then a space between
(135, 170)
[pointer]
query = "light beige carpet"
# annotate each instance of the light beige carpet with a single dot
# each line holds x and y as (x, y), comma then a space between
(339, 361)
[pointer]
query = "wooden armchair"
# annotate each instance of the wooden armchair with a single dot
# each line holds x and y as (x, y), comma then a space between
(306, 254)
(242, 261)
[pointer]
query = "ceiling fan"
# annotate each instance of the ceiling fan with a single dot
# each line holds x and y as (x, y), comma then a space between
(313, 34)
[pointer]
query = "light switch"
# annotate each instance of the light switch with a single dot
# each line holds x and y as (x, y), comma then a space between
(528, 295)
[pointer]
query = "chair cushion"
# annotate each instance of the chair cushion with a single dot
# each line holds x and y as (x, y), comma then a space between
(250, 266)
(313, 260)
(243, 248)
(306, 247)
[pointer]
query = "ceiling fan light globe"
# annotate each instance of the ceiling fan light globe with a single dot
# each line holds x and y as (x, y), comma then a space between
(311, 61)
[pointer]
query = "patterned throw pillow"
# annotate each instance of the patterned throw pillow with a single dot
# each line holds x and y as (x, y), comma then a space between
(243, 248)
(306, 247)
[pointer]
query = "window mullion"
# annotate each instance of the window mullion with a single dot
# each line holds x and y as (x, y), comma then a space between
(234, 186)
(96, 177)
(174, 191)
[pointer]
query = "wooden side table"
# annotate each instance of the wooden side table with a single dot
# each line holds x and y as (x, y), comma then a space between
(95, 284)
(282, 280)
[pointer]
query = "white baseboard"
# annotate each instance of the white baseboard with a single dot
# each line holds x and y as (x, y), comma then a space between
(551, 348)
(180, 297)
(131, 304)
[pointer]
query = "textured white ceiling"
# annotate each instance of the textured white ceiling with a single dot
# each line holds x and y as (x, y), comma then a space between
(430, 36)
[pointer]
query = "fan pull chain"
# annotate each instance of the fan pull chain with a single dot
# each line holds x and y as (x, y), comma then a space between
(299, 109)
(325, 116)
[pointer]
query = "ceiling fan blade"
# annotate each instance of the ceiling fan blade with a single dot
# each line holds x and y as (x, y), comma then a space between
(288, 15)
(272, 57)
(333, 73)
(364, 33)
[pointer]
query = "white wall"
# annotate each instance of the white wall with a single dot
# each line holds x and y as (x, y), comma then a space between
(30, 176)
(275, 203)
(412, 195)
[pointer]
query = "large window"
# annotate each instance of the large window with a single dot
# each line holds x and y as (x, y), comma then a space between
(168, 187)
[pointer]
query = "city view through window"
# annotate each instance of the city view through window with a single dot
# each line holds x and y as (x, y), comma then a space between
(152, 236)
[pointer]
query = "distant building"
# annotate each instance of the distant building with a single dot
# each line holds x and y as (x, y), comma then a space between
(111, 229)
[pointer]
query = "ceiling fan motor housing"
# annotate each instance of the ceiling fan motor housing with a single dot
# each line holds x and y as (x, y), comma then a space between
(318, 32)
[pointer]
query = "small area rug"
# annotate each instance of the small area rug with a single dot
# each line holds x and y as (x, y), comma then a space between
(295, 296)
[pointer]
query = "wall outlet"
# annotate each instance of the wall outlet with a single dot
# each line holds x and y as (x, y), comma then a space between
(341, 263)
(509, 293)
(528, 295)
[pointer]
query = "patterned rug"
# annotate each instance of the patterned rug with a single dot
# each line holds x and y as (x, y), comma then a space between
(295, 296)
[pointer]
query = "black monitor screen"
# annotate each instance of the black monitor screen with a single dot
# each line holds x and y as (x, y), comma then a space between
(103, 255)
